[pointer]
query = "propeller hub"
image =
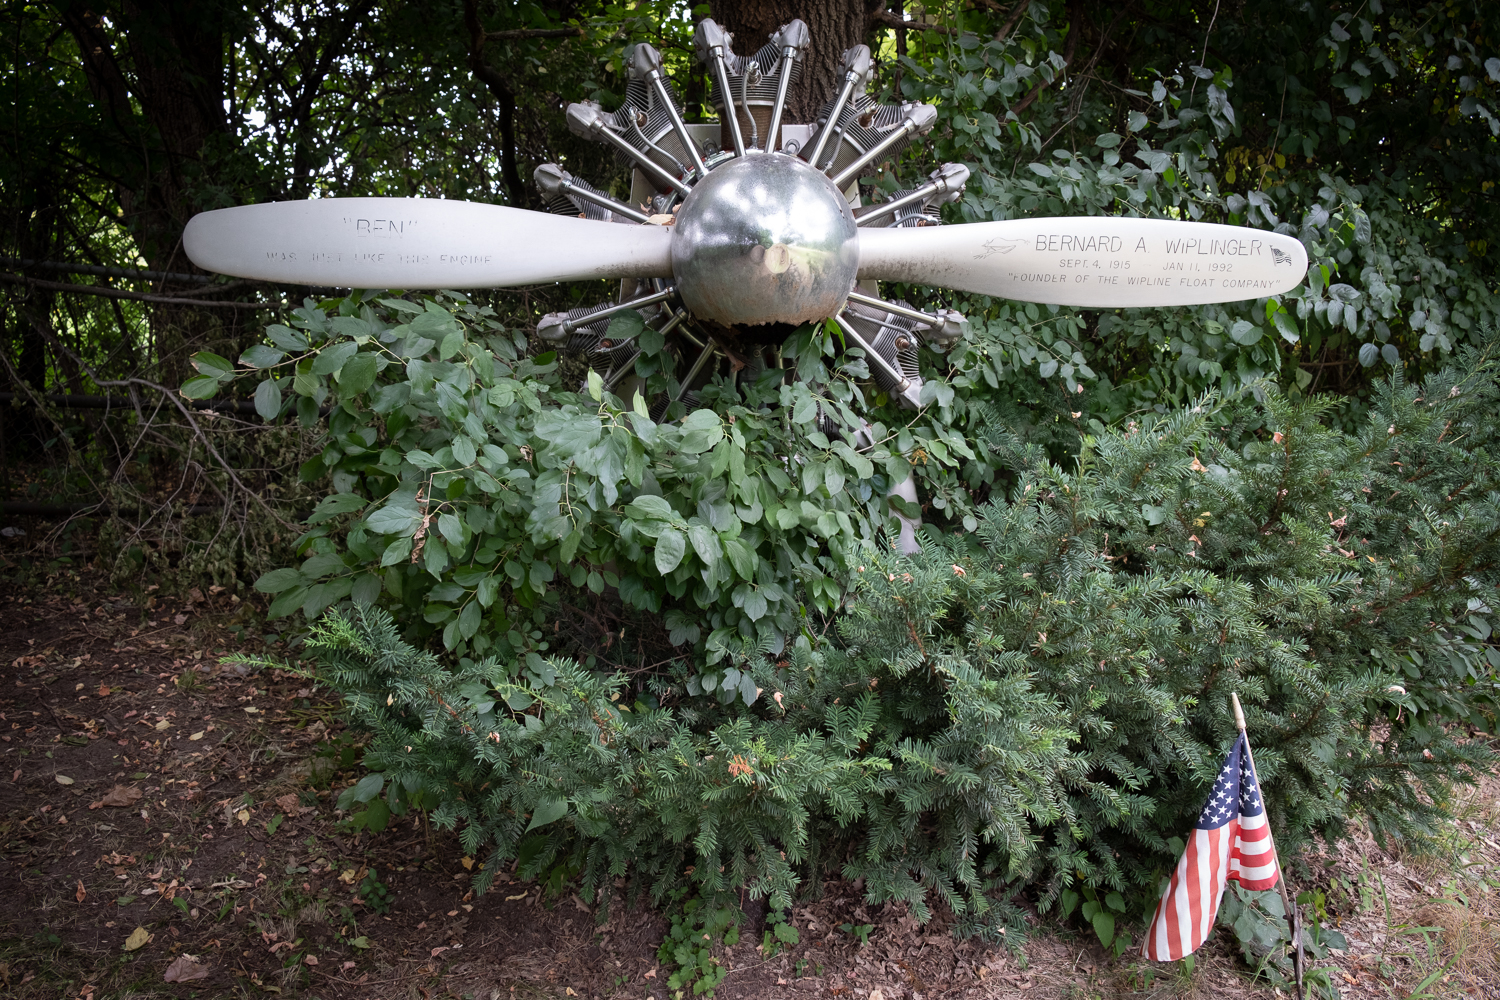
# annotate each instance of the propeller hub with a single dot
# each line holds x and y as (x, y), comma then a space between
(765, 239)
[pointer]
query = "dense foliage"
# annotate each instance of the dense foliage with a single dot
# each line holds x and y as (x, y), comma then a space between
(483, 483)
(1041, 701)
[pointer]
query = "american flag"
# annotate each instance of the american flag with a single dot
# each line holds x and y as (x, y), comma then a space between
(1231, 841)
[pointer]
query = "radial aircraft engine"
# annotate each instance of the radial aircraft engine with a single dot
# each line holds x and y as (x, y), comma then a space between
(737, 231)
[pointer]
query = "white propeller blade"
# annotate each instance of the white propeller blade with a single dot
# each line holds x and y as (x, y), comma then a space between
(419, 243)
(1101, 262)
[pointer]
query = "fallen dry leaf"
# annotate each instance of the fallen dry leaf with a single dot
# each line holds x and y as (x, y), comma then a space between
(179, 619)
(104, 690)
(163, 724)
(81, 893)
(62, 779)
(310, 959)
(185, 969)
(439, 950)
(197, 736)
(289, 803)
(137, 939)
(121, 796)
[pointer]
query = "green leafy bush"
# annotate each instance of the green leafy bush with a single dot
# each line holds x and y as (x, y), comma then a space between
(1039, 702)
(470, 483)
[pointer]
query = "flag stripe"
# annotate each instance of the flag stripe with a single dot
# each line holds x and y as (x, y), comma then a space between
(1232, 840)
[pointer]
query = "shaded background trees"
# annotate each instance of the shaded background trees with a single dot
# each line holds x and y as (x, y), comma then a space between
(1369, 130)
(130, 117)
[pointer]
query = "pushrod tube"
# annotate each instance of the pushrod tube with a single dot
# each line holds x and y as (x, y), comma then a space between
(729, 109)
(907, 127)
(645, 162)
(874, 356)
(645, 300)
(703, 358)
(833, 116)
(885, 208)
(604, 201)
(926, 319)
(782, 82)
(677, 123)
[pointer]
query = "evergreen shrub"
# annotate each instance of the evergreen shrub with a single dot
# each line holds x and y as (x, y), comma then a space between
(1039, 699)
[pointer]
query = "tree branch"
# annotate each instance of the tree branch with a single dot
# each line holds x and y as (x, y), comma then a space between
(497, 85)
(1076, 16)
(119, 293)
(513, 33)
(889, 20)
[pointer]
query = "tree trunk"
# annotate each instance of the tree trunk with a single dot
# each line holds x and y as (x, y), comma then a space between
(162, 82)
(832, 26)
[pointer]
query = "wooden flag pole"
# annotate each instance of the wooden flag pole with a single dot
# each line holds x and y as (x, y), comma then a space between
(1293, 918)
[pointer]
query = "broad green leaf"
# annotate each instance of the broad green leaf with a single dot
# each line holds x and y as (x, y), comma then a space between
(268, 399)
(464, 452)
(278, 580)
(805, 410)
(624, 325)
(338, 503)
(468, 619)
(358, 373)
(287, 602)
(705, 543)
(401, 305)
(262, 356)
(366, 589)
(1286, 325)
(741, 558)
(368, 787)
(213, 365)
(322, 564)
(200, 387)
(396, 552)
(393, 519)
(670, 548)
(286, 338)
(650, 506)
(451, 527)
(701, 430)
(332, 358)
(1245, 333)
(548, 811)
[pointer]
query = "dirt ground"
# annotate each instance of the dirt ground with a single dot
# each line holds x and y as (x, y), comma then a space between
(168, 829)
